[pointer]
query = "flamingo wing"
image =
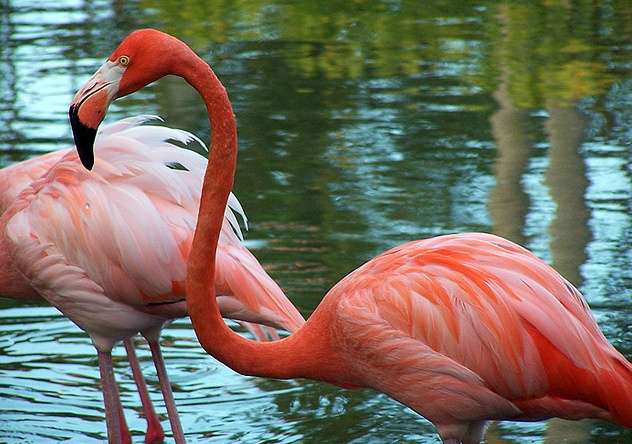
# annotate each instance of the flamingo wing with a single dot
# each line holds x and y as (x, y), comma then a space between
(122, 224)
(382, 344)
(129, 224)
(493, 313)
(102, 245)
(16, 177)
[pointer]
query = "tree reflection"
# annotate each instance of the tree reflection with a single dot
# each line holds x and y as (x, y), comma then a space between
(508, 202)
(566, 179)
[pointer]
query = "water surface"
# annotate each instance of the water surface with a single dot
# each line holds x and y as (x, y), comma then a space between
(362, 125)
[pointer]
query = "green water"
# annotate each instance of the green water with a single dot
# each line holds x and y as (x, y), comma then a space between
(362, 124)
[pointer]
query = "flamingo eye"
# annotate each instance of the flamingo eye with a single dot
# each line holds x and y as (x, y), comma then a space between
(123, 60)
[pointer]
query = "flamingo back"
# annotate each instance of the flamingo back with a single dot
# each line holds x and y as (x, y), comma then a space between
(487, 320)
(16, 177)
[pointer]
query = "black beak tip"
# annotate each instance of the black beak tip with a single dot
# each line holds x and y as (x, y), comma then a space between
(84, 138)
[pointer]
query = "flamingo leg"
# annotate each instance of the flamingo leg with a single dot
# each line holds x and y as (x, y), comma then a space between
(118, 433)
(126, 436)
(165, 386)
(475, 432)
(154, 433)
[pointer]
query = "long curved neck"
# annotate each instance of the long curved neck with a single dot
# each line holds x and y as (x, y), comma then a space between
(279, 359)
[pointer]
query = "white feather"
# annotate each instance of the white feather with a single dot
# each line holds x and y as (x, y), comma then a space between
(128, 122)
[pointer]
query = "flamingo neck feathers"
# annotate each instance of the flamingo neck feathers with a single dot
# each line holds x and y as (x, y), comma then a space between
(287, 358)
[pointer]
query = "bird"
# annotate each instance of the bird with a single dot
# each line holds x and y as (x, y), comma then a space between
(109, 250)
(462, 328)
(14, 179)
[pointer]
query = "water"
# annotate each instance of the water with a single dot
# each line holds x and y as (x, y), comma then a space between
(362, 125)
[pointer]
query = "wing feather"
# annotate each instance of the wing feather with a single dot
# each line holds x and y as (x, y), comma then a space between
(394, 362)
(489, 306)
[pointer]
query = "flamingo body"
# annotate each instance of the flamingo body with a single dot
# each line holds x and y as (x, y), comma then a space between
(468, 327)
(109, 247)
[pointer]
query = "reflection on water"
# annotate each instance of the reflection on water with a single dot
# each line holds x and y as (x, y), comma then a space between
(566, 180)
(508, 202)
(362, 125)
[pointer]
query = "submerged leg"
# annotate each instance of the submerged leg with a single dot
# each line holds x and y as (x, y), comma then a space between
(165, 386)
(154, 433)
(475, 432)
(126, 436)
(118, 433)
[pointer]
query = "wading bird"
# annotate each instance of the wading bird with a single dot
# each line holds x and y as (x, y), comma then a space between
(109, 250)
(461, 328)
(14, 179)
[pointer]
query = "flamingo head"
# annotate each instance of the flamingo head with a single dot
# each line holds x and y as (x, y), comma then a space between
(143, 57)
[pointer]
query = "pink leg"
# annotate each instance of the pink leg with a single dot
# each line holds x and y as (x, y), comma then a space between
(126, 436)
(118, 433)
(174, 419)
(154, 434)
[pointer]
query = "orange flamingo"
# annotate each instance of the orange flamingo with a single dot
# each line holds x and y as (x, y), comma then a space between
(461, 328)
(109, 250)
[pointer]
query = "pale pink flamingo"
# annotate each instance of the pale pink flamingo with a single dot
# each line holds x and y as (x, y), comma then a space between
(14, 179)
(109, 250)
(461, 328)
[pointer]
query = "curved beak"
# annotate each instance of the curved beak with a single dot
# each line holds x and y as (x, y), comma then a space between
(89, 106)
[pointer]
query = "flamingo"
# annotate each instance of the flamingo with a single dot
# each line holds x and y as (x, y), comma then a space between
(13, 180)
(462, 328)
(109, 250)
(17, 177)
